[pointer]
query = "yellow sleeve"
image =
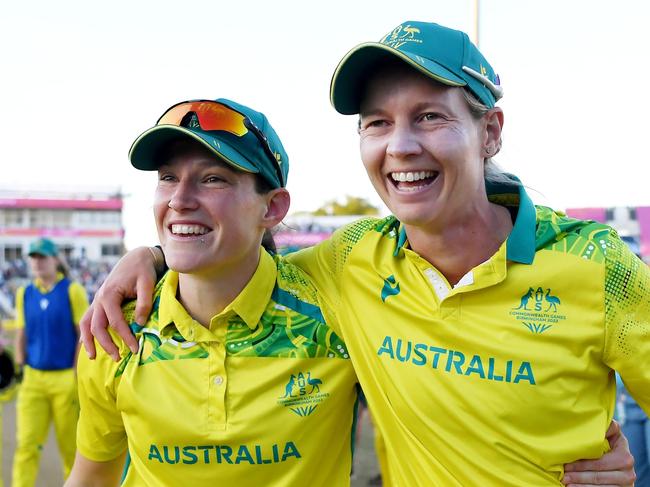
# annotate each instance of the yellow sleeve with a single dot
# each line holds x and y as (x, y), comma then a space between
(78, 301)
(325, 262)
(627, 319)
(100, 431)
(318, 263)
(20, 307)
(300, 285)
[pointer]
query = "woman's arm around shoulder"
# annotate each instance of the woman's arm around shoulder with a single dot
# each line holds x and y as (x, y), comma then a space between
(134, 276)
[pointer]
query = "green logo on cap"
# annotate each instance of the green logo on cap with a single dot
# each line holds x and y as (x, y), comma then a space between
(401, 35)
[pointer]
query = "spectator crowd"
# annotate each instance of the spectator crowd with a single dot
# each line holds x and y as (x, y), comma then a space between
(15, 273)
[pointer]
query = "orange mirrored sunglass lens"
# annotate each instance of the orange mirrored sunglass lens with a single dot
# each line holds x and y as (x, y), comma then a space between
(211, 115)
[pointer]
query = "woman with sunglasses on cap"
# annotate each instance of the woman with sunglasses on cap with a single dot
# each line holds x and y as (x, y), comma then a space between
(238, 379)
(484, 330)
(48, 311)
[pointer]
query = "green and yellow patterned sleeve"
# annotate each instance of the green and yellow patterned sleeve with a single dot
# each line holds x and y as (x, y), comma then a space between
(319, 262)
(316, 262)
(627, 318)
(325, 262)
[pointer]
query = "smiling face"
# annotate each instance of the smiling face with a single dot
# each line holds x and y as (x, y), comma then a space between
(422, 147)
(210, 217)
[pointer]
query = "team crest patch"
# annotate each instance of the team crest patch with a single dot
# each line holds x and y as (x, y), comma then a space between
(538, 309)
(303, 394)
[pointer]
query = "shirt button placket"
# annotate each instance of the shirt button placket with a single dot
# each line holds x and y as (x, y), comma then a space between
(219, 378)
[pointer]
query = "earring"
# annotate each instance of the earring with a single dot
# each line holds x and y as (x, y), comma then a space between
(488, 151)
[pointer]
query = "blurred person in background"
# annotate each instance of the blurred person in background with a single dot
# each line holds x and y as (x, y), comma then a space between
(48, 311)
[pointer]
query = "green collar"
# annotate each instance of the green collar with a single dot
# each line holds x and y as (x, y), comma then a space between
(520, 246)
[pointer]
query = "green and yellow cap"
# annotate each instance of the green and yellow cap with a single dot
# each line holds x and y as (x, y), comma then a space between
(43, 246)
(237, 134)
(445, 55)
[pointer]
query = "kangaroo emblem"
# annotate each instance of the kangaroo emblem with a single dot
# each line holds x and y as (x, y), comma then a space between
(410, 31)
(552, 301)
(289, 387)
(314, 383)
(524, 299)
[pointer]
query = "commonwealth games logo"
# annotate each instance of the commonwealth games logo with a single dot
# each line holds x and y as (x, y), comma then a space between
(538, 309)
(302, 393)
(401, 35)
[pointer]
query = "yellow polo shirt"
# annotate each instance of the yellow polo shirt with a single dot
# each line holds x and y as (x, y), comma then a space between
(505, 377)
(264, 396)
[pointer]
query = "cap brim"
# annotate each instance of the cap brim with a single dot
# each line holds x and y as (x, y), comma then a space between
(145, 151)
(352, 72)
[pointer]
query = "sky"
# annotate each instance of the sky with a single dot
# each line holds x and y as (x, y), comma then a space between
(80, 80)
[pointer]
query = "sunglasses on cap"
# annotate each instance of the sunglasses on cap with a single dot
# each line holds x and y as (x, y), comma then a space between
(212, 115)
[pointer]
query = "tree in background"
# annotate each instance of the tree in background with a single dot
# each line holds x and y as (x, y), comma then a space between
(351, 206)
